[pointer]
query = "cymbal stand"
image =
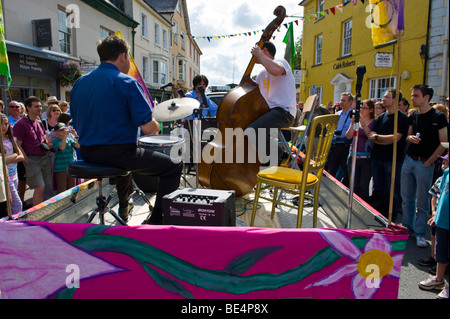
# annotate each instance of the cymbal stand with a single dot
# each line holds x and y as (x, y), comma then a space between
(197, 141)
(184, 145)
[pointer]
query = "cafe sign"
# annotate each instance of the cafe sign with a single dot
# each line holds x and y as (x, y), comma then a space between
(343, 64)
(383, 60)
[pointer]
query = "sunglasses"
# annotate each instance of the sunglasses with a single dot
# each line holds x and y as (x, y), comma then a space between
(51, 103)
(15, 106)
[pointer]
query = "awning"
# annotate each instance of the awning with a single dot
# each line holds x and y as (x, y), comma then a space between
(26, 49)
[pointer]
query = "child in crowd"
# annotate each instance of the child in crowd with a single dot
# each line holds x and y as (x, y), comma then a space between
(434, 192)
(441, 221)
(13, 155)
(66, 118)
(64, 148)
(3, 203)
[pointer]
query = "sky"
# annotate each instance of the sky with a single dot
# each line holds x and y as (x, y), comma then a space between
(224, 61)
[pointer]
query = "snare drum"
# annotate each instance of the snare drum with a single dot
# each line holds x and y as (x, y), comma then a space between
(167, 144)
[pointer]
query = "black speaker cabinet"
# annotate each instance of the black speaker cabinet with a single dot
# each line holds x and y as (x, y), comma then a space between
(200, 207)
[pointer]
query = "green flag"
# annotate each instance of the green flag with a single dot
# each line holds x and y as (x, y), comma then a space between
(4, 62)
(290, 45)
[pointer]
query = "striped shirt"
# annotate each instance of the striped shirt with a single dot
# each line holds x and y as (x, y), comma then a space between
(63, 157)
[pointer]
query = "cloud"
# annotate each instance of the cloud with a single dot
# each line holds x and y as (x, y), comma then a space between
(244, 17)
(218, 17)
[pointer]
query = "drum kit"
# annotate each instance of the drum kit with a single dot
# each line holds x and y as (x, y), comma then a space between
(172, 111)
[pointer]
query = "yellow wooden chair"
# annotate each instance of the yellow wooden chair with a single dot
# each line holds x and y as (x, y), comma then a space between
(298, 132)
(297, 181)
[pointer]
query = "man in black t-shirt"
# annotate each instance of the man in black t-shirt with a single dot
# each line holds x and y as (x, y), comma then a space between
(427, 128)
(382, 135)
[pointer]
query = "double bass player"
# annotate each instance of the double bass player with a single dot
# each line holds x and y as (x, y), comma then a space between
(277, 86)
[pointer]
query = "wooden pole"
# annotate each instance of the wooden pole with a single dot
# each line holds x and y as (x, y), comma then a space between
(394, 155)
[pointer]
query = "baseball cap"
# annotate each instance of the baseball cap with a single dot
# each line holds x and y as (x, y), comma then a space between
(59, 126)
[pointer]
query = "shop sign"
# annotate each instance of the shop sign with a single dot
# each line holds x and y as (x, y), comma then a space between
(30, 65)
(343, 64)
(383, 60)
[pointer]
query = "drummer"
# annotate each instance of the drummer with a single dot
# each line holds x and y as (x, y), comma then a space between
(201, 80)
(107, 108)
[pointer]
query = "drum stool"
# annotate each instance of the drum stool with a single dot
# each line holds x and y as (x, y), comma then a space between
(81, 169)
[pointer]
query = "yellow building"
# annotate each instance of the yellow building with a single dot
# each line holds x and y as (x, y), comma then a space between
(335, 44)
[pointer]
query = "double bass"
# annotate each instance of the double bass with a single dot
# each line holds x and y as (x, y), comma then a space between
(238, 109)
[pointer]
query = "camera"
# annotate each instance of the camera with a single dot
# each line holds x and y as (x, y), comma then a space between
(338, 132)
(44, 147)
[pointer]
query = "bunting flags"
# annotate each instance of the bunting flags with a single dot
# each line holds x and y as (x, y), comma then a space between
(4, 62)
(310, 17)
(290, 45)
(134, 72)
(387, 19)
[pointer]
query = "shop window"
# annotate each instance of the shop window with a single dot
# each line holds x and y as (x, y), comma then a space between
(41, 82)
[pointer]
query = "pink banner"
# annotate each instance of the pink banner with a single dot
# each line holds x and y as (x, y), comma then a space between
(46, 260)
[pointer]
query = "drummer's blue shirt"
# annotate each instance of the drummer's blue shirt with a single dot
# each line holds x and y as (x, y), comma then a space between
(211, 111)
(108, 106)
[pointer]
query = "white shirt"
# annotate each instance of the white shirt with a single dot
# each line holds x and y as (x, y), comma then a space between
(279, 91)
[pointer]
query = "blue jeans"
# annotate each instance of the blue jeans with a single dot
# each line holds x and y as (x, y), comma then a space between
(382, 176)
(416, 181)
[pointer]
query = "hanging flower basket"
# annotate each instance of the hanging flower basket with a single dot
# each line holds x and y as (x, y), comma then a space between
(69, 73)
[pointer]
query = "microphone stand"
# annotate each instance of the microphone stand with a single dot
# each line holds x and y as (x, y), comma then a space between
(360, 71)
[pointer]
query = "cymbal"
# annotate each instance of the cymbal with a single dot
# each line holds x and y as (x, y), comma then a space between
(175, 109)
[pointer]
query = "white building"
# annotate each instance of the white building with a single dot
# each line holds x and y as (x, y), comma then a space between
(41, 35)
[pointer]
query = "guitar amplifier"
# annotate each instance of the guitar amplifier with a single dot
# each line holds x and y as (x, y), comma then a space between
(200, 207)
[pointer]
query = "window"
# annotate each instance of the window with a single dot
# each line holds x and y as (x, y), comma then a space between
(320, 9)
(155, 72)
(64, 33)
(347, 38)
(160, 72)
(173, 68)
(165, 38)
(181, 70)
(119, 4)
(145, 68)
(318, 57)
(157, 35)
(179, 7)
(379, 86)
(144, 25)
(104, 33)
(316, 90)
(164, 73)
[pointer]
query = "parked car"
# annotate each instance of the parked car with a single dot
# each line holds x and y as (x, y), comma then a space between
(216, 97)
